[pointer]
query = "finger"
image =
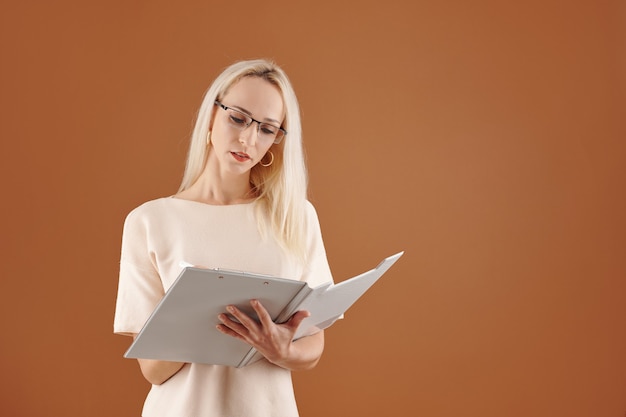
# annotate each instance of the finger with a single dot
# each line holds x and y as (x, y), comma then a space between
(230, 332)
(231, 324)
(264, 316)
(243, 319)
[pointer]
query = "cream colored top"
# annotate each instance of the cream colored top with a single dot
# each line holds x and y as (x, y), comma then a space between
(157, 236)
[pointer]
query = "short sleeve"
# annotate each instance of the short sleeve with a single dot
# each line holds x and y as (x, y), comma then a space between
(140, 287)
(317, 270)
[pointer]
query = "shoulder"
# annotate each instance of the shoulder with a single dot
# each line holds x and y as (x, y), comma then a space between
(309, 210)
(311, 215)
(148, 210)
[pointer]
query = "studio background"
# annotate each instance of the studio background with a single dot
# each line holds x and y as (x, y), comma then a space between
(483, 138)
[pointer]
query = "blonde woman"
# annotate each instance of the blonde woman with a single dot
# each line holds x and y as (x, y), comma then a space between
(242, 205)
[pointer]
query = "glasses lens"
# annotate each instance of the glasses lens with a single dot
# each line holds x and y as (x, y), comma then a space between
(268, 131)
(280, 134)
(238, 119)
(265, 131)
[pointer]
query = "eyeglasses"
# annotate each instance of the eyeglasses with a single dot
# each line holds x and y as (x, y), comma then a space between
(241, 121)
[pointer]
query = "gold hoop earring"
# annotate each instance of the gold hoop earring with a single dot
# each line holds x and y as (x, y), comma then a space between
(270, 162)
(208, 138)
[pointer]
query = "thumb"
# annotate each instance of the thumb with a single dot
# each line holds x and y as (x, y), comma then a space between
(297, 318)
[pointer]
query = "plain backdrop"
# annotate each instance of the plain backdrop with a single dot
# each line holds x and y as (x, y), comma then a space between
(484, 138)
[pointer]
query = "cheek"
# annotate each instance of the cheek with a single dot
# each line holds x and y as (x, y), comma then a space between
(219, 134)
(263, 150)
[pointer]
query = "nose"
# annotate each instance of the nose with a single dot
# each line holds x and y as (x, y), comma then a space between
(248, 135)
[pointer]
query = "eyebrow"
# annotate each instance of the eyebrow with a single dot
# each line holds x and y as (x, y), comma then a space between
(268, 119)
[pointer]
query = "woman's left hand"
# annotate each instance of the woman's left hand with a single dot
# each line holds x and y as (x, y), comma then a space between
(274, 341)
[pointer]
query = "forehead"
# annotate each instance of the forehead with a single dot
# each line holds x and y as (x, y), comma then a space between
(256, 96)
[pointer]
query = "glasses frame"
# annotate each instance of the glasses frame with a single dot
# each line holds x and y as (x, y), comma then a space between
(258, 123)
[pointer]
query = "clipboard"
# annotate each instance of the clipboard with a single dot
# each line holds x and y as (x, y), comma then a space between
(183, 325)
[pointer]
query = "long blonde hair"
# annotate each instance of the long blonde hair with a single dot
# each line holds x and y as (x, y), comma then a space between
(281, 188)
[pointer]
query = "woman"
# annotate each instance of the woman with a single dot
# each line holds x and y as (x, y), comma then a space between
(242, 205)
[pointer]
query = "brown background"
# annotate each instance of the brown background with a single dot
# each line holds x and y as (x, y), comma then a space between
(484, 138)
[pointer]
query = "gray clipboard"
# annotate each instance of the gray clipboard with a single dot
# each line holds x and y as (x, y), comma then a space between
(182, 326)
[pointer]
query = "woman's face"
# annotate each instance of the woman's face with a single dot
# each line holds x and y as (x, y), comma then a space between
(237, 149)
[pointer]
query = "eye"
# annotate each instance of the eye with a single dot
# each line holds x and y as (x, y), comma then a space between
(237, 118)
(268, 129)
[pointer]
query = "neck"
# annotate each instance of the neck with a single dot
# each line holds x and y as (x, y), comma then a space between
(211, 188)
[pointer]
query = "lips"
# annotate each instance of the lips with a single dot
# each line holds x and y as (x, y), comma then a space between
(240, 156)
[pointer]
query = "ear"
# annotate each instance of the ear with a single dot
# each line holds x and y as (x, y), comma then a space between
(212, 119)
